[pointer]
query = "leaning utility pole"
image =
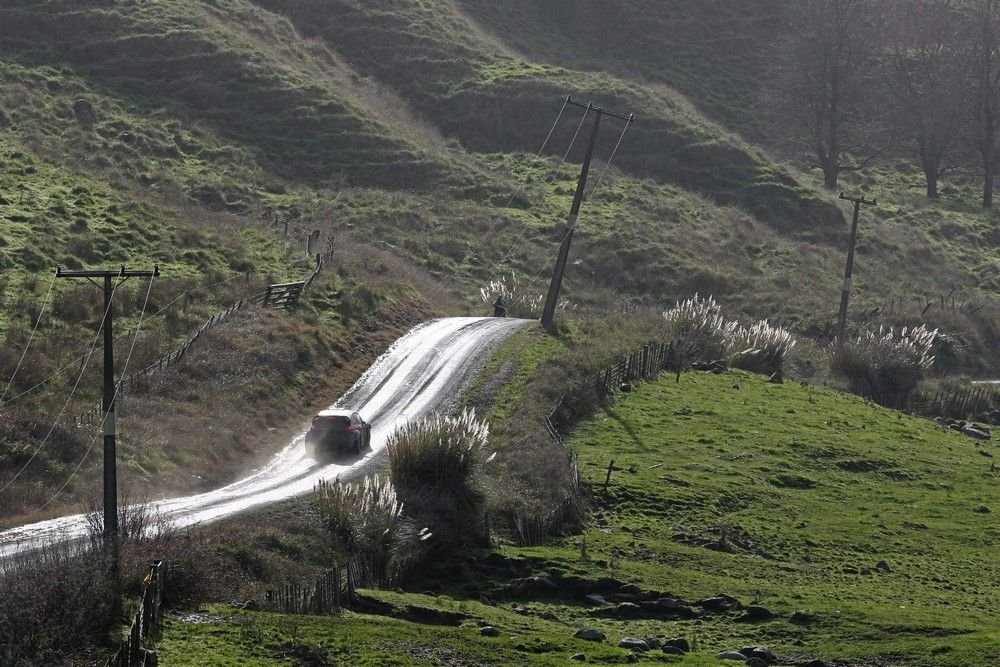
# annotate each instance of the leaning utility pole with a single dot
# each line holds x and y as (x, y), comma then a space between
(548, 312)
(108, 402)
(846, 294)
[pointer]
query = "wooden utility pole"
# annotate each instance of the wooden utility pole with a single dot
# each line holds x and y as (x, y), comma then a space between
(849, 271)
(548, 312)
(108, 400)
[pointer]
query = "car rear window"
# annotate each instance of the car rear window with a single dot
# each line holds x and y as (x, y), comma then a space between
(317, 421)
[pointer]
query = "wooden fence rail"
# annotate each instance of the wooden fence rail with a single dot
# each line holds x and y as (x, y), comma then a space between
(130, 652)
(954, 403)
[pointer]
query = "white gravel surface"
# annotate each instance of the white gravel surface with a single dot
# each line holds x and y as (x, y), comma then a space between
(421, 372)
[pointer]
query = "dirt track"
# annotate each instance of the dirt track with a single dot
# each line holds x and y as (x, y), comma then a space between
(420, 372)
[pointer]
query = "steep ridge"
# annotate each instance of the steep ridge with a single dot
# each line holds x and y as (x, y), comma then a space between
(492, 100)
(234, 67)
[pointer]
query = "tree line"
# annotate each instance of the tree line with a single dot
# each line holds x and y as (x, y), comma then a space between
(855, 79)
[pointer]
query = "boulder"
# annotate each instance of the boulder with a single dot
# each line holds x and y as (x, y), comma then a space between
(590, 634)
(673, 650)
(804, 618)
(597, 600)
(882, 566)
(974, 432)
(84, 112)
(582, 657)
(731, 655)
(756, 614)
(755, 662)
(720, 602)
(489, 631)
(634, 644)
(759, 652)
(678, 642)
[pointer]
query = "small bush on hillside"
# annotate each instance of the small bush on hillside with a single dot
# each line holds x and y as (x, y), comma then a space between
(435, 466)
(698, 328)
(58, 602)
(520, 302)
(760, 348)
(701, 333)
(367, 519)
(886, 365)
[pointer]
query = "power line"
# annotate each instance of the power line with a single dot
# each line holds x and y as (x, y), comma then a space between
(110, 405)
(80, 358)
(499, 216)
(72, 392)
(30, 337)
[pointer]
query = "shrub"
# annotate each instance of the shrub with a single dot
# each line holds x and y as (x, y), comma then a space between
(520, 302)
(886, 365)
(760, 348)
(698, 329)
(367, 519)
(701, 333)
(435, 466)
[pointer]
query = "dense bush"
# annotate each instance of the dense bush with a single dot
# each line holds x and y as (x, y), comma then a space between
(702, 333)
(698, 329)
(367, 519)
(435, 466)
(760, 348)
(886, 365)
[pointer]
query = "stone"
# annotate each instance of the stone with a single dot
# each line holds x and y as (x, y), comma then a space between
(631, 658)
(489, 631)
(582, 657)
(731, 655)
(974, 432)
(760, 652)
(673, 650)
(634, 644)
(756, 614)
(590, 634)
(720, 602)
(652, 642)
(627, 609)
(850, 569)
(519, 609)
(755, 662)
(678, 642)
(982, 509)
(630, 589)
(815, 663)
(776, 378)
(882, 566)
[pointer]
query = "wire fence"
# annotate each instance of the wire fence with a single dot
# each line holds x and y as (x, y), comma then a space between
(327, 595)
(283, 296)
(131, 652)
(956, 403)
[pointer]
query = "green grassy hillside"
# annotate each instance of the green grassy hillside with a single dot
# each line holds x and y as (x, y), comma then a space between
(194, 134)
(866, 533)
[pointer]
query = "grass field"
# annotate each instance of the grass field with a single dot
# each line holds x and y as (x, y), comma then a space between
(872, 528)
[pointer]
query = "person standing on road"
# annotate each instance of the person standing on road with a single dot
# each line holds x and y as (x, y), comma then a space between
(500, 307)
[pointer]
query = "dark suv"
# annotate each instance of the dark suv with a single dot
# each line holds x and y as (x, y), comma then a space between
(337, 431)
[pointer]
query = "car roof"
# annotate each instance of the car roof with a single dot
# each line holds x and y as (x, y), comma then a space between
(335, 413)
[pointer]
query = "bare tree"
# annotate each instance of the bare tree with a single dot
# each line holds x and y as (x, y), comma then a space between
(926, 80)
(983, 23)
(819, 83)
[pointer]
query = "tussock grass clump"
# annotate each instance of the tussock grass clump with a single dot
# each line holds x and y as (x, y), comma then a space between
(520, 301)
(435, 465)
(759, 348)
(702, 333)
(887, 364)
(698, 327)
(367, 518)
